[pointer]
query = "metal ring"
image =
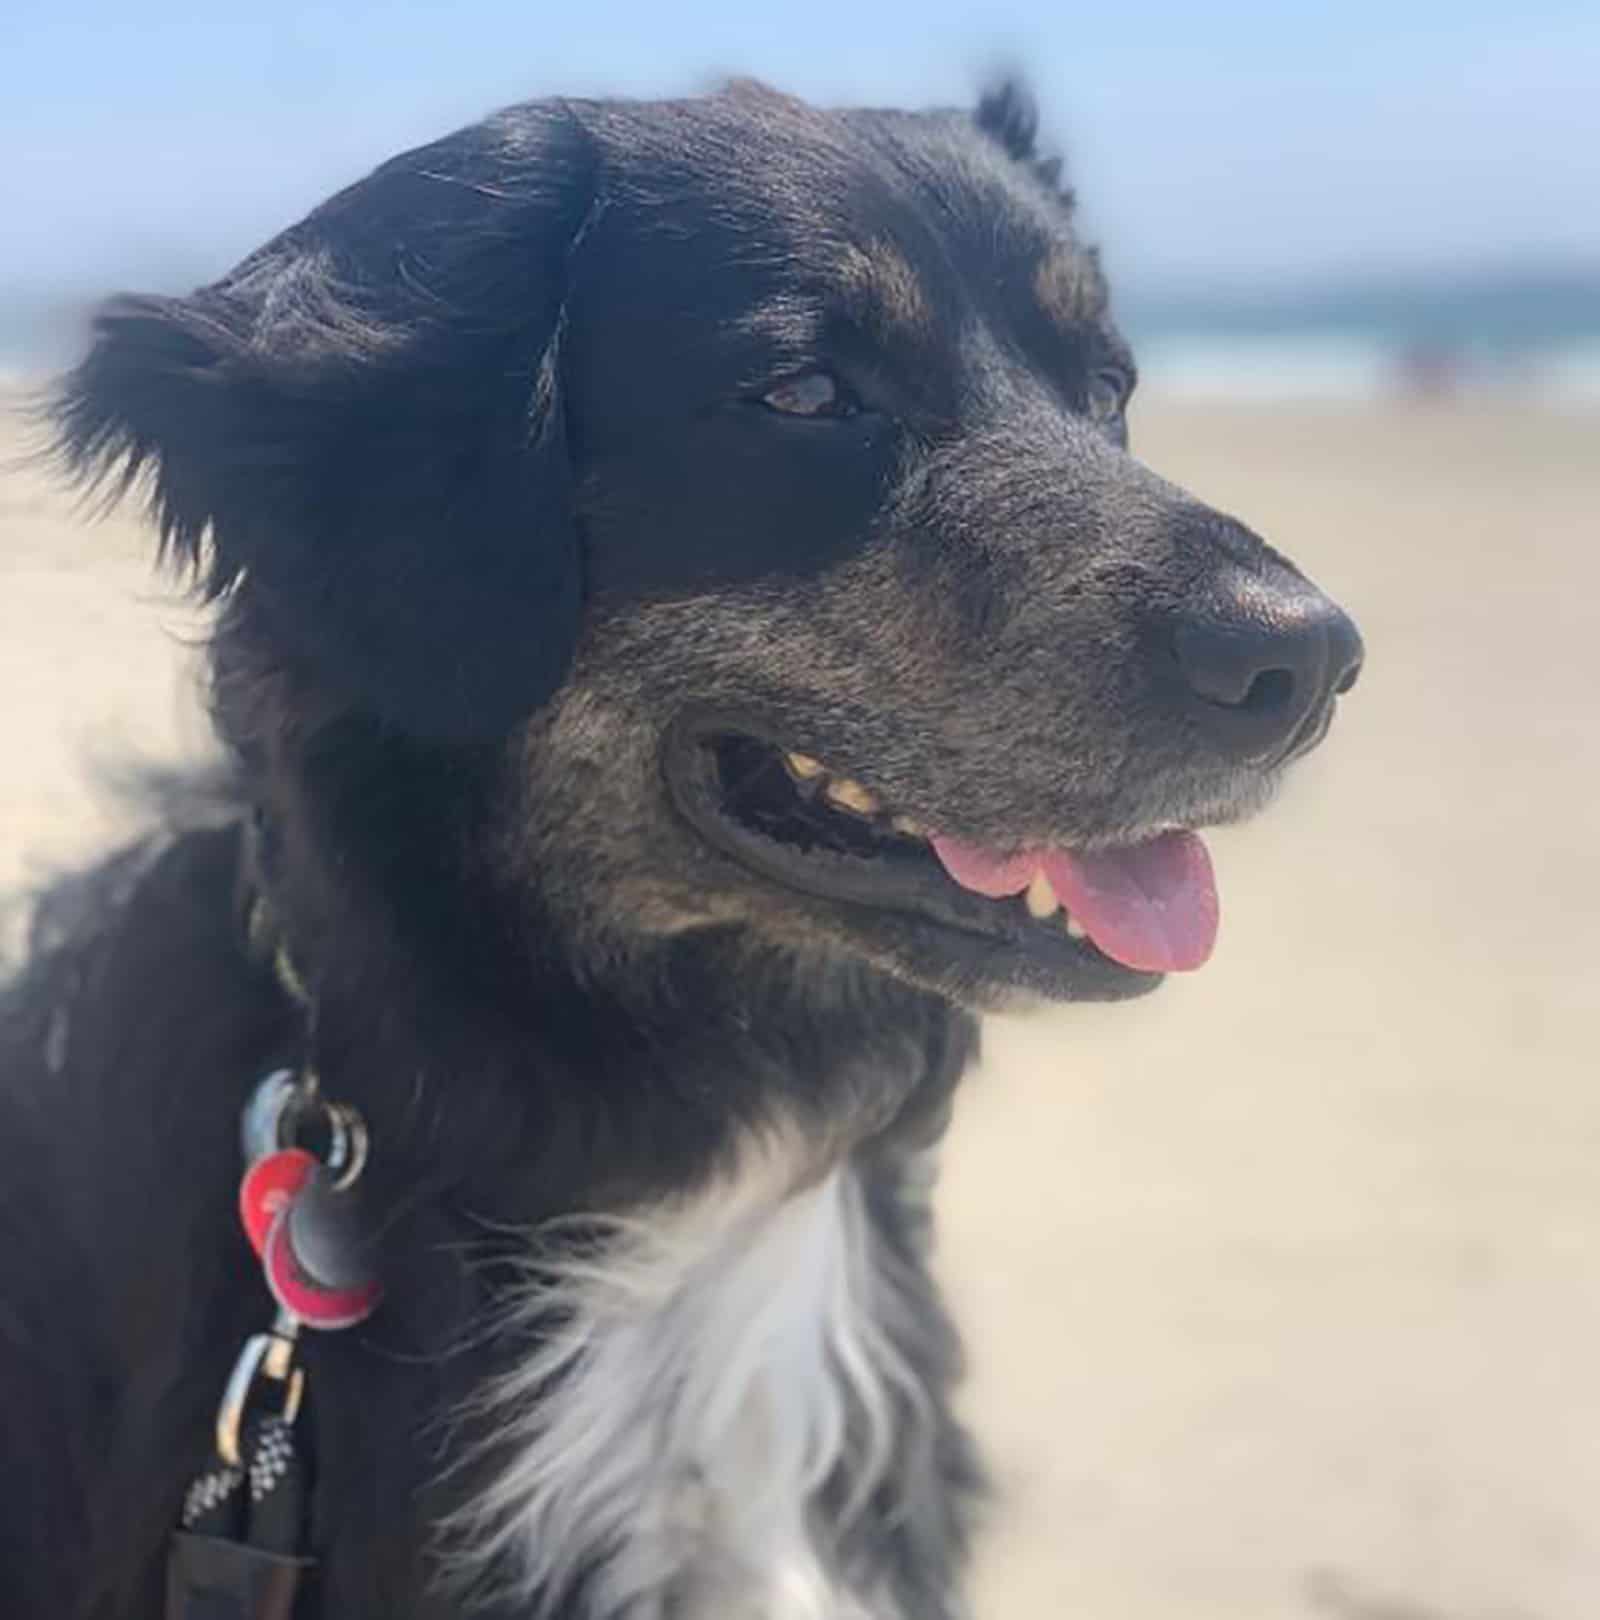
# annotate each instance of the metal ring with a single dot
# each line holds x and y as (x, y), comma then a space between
(277, 1111)
(347, 1155)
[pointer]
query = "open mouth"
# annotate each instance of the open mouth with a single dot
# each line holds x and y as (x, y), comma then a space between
(1131, 912)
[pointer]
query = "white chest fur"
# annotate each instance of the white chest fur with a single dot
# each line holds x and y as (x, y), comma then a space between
(707, 1368)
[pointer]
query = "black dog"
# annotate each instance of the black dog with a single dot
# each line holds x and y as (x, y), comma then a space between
(688, 624)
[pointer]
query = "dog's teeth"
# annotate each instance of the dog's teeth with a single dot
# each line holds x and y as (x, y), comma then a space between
(1074, 927)
(1041, 898)
(908, 828)
(852, 796)
(804, 766)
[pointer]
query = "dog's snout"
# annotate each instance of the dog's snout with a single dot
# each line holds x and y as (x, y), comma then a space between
(1262, 667)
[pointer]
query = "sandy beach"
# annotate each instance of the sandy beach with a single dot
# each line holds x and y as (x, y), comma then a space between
(1283, 1287)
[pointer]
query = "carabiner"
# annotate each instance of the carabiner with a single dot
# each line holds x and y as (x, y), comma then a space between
(266, 1357)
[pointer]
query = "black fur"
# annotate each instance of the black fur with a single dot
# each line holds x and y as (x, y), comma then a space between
(476, 461)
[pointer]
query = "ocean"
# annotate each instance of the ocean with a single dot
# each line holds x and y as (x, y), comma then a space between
(1532, 333)
(1322, 365)
(1535, 334)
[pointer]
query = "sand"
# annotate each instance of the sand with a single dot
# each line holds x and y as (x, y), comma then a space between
(1282, 1287)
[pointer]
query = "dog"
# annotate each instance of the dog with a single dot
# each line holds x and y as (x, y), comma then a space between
(690, 637)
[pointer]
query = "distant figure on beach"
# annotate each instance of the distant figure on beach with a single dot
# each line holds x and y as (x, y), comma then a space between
(1428, 370)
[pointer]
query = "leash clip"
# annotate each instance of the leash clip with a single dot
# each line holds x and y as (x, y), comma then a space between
(266, 1358)
(284, 1108)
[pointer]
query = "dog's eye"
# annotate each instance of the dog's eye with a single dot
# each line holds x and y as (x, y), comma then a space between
(812, 393)
(1108, 393)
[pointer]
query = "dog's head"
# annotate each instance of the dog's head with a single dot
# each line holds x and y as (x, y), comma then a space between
(753, 479)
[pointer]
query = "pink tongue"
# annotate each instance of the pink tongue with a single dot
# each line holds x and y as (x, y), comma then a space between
(1149, 906)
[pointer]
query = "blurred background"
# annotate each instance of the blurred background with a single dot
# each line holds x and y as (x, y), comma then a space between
(1290, 196)
(1283, 1287)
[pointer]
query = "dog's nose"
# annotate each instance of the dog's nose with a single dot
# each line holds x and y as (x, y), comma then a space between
(1263, 667)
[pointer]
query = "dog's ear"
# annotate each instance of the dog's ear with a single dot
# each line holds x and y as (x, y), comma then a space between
(1009, 115)
(360, 429)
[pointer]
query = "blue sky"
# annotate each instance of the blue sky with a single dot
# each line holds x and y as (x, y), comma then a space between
(152, 143)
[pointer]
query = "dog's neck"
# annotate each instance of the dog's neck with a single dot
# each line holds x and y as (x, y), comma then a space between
(495, 1069)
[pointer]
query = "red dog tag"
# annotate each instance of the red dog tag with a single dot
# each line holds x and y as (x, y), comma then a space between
(302, 1296)
(268, 1188)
